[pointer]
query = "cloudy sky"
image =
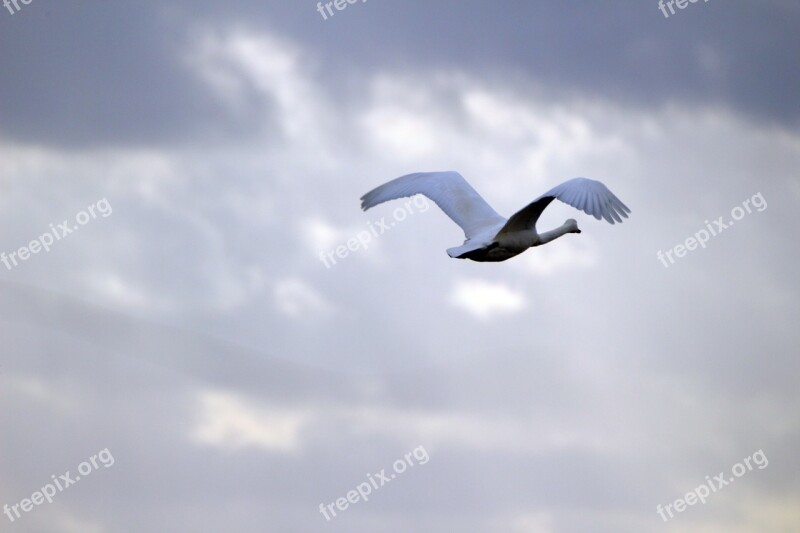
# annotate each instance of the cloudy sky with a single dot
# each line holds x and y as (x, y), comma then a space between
(173, 175)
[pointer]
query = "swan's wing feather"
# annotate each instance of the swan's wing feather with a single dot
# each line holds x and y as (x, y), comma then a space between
(526, 217)
(589, 196)
(449, 190)
(593, 198)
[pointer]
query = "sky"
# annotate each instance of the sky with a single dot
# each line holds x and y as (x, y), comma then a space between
(185, 350)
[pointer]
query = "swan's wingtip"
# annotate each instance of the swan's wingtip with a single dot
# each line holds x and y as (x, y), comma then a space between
(365, 202)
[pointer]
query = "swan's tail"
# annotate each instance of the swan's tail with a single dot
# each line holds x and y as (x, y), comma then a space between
(458, 251)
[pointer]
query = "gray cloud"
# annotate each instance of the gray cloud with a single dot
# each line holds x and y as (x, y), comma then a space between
(76, 74)
(240, 383)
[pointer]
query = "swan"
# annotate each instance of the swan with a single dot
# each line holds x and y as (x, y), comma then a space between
(489, 236)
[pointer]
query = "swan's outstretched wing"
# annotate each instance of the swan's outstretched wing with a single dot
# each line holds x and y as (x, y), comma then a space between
(590, 196)
(449, 190)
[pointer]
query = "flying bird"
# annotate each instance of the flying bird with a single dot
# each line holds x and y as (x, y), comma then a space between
(489, 236)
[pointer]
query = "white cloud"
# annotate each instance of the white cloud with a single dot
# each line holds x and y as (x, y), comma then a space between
(295, 298)
(52, 393)
(401, 132)
(320, 235)
(484, 299)
(566, 255)
(230, 422)
(239, 62)
(71, 524)
(541, 522)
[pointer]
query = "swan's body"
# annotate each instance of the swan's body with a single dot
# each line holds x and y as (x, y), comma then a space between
(489, 236)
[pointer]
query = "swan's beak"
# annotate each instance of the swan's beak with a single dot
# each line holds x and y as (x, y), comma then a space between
(577, 231)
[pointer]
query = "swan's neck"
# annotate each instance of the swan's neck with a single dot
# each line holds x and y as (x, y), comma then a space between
(554, 234)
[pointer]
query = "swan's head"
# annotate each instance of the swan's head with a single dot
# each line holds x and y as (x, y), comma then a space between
(572, 225)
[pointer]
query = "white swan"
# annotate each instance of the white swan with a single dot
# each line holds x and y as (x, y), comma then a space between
(490, 237)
